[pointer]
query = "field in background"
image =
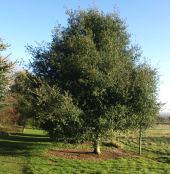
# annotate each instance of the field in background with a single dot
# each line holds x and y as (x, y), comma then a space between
(27, 153)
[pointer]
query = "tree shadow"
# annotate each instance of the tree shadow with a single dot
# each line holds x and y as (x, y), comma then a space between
(157, 140)
(27, 138)
(29, 135)
(164, 159)
(21, 145)
(163, 139)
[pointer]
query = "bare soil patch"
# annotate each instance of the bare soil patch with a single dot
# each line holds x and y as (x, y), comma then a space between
(87, 154)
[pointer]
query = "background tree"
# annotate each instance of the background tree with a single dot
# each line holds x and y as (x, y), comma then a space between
(93, 62)
(143, 99)
(8, 115)
(21, 90)
(5, 72)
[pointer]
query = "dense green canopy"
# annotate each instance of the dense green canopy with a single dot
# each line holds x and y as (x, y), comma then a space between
(90, 80)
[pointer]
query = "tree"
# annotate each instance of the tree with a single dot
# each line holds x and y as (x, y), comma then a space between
(143, 99)
(23, 105)
(8, 115)
(5, 73)
(92, 61)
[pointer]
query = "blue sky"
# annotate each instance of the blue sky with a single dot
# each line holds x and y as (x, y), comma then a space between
(29, 21)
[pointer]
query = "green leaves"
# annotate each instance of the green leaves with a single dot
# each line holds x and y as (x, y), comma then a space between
(91, 78)
(57, 110)
(144, 97)
(5, 72)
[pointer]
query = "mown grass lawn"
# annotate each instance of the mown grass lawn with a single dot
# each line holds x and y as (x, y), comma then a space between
(27, 154)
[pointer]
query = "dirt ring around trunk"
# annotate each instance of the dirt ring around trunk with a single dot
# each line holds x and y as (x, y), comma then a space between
(87, 154)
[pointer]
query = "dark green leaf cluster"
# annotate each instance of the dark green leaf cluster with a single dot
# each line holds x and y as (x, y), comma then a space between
(57, 113)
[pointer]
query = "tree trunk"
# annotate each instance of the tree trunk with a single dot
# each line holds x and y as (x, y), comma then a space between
(140, 141)
(96, 146)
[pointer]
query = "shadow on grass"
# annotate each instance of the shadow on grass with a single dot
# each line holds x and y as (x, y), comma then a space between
(151, 145)
(164, 159)
(27, 170)
(29, 135)
(163, 139)
(111, 144)
(27, 138)
(157, 140)
(20, 145)
(20, 148)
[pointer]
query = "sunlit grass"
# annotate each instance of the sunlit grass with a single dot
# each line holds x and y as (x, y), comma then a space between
(27, 153)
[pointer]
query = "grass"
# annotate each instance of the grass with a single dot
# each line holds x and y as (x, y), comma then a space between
(16, 150)
(155, 144)
(27, 154)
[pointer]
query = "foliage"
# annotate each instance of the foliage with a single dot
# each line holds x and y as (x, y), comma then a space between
(8, 115)
(52, 110)
(57, 114)
(144, 96)
(144, 99)
(5, 73)
(92, 61)
(21, 91)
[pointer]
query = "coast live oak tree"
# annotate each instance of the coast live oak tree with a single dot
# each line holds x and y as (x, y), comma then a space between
(90, 76)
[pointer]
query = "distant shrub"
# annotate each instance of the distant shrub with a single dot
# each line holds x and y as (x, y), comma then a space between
(8, 116)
